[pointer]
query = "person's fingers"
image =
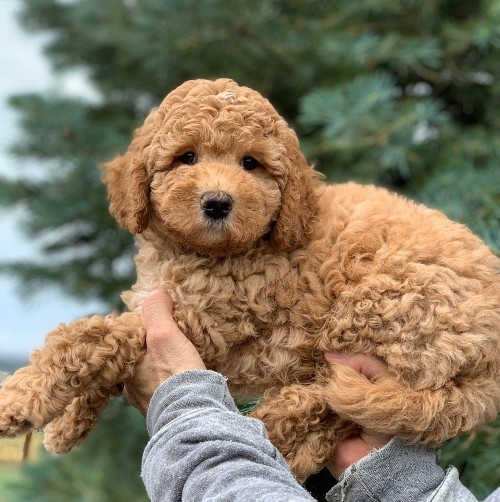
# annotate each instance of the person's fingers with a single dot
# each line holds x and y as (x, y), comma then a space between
(371, 367)
(140, 387)
(364, 441)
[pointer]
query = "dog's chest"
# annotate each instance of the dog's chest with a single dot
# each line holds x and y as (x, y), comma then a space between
(242, 298)
(243, 313)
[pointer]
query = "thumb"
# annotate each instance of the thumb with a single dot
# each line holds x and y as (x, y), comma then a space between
(157, 308)
(165, 342)
(158, 321)
(371, 367)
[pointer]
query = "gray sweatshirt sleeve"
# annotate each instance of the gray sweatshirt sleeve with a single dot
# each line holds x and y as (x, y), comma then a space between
(400, 473)
(201, 448)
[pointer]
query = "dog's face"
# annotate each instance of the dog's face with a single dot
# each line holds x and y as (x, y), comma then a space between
(216, 169)
(217, 174)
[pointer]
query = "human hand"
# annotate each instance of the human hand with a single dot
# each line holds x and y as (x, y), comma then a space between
(357, 446)
(168, 352)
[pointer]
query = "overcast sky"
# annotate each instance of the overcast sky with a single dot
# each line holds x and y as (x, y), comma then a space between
(23, 68)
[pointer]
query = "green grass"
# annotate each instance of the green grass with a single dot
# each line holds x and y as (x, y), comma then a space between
(9, 471)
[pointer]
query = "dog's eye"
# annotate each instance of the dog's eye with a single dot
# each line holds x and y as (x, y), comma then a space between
(249, 163)
(188, 158)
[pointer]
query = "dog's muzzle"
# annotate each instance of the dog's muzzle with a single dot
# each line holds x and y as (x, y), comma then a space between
(216, 205)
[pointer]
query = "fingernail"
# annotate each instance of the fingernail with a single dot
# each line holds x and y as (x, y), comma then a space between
(156, 290)
(334, 356)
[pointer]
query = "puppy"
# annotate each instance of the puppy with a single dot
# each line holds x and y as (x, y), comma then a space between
(268, 267)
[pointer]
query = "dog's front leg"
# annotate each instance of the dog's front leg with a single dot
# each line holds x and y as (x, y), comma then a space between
(86, 355)
(79, 418)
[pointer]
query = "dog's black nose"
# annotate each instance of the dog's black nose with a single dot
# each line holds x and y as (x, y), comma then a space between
(216, 205)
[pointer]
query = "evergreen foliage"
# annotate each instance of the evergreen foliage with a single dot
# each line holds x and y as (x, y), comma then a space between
(65, 198)
(105, 468)
(401, 93)
(477, 459)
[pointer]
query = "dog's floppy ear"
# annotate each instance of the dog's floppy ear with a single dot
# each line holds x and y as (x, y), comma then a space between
(126, 178)
(299, 206)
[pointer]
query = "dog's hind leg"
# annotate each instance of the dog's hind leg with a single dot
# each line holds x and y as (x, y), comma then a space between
(301, 424)
(86, 355)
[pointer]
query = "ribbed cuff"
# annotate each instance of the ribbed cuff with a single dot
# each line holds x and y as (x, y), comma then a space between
(396, 472)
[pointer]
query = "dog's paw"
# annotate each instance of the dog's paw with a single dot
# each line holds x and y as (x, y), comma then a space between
(26, 403)
(12, 424)
(72, 427)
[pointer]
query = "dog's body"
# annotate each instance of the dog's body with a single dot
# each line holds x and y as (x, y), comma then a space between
(268, 268)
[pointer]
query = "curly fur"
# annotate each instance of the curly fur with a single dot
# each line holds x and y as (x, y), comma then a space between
(297, 267)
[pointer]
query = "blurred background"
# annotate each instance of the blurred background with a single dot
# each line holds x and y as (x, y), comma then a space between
(400, 93)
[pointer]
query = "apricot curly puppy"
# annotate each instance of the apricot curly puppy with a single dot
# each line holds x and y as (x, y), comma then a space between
(269, 267)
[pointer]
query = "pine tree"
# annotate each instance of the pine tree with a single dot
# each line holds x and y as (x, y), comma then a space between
(106, 469)
(401, 93)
